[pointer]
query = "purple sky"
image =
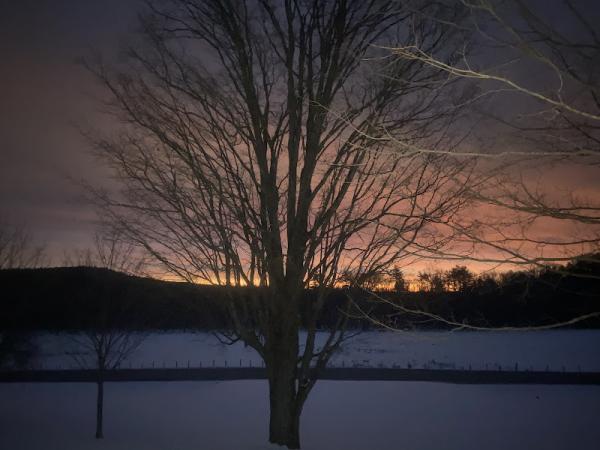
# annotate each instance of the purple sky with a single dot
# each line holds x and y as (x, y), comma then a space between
(44, 93)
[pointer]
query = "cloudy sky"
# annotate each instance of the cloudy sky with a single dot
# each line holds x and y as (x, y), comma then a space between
(45, 95)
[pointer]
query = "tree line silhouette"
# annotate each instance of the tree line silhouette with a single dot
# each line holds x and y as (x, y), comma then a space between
(79, 298)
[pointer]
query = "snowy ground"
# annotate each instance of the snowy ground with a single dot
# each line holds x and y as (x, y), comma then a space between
(346, 415)
(572, 350)
(233, 415)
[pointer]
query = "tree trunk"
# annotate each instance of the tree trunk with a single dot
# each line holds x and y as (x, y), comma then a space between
(281, 362)
(284, 423)
(99, 406)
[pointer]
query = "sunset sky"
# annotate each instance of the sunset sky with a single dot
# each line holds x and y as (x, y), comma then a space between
(45, 95)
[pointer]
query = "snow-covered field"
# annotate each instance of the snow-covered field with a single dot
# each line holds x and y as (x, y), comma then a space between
(572, 350)
(347, 415)
(339, 415)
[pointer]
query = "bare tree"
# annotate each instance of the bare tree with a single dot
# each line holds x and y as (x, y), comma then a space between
(431, 281)
(399, 282)
(109, 347)
(16, 249)
(459, 279)
(111, 250)
(536, 71)
(365, 280)
(107, 337)
(16, 252)
(250, 157)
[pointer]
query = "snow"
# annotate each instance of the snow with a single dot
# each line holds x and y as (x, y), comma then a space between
(349, 415)
(572, 350)
(339, 415)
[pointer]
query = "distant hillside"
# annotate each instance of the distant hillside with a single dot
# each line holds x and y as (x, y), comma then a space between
(70, 298)
(76, 297)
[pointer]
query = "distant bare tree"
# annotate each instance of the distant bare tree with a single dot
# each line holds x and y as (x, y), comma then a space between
(17, 249)
(248, 159)
(431, 281)
(110, 250)
(366, 280)
(109, 347)
(107, 337)
(459, 278)
(399, 282)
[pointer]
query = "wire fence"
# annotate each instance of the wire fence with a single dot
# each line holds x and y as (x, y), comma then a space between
(356, 364)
